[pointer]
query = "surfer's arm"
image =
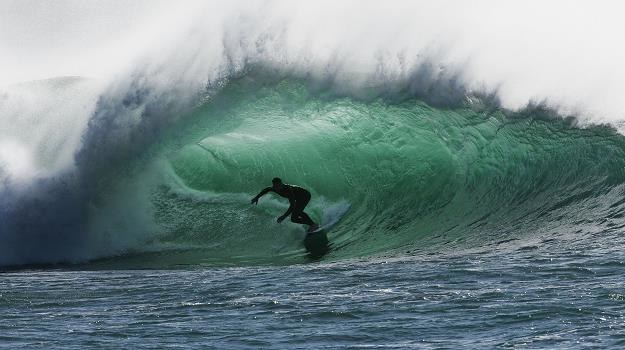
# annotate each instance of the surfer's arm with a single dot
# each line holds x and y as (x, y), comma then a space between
(262, 193)
(288, 211)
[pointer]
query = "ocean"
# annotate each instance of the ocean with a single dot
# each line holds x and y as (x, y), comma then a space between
(455, 218)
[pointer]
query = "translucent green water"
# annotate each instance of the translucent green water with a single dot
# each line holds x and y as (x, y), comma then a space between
(414, 177)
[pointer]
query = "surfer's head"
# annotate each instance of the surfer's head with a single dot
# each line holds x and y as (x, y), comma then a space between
(277, 183)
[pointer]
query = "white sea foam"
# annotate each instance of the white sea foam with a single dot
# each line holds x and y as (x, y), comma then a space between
(569, 52)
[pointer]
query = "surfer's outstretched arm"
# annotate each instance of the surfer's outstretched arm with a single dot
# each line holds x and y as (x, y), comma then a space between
(262, 193)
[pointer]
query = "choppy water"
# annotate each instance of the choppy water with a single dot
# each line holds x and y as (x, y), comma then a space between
(535, 298)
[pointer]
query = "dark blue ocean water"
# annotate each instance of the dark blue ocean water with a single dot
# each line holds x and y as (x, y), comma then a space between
(560, 293)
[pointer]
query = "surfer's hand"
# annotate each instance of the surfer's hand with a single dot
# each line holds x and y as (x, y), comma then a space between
(254, 200)
(280, 218)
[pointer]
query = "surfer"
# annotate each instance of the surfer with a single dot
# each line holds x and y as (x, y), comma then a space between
(298, 198)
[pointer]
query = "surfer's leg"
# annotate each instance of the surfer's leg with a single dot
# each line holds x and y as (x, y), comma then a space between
(298, 216)
(302, 218)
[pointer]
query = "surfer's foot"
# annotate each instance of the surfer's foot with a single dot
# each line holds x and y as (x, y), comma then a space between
(313, 228)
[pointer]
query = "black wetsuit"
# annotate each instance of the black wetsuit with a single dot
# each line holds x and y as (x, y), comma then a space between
(298, 197)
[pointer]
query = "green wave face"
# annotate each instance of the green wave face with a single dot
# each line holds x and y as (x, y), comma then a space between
(414, 177)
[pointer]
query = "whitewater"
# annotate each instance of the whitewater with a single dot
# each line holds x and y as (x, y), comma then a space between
(469, 158)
